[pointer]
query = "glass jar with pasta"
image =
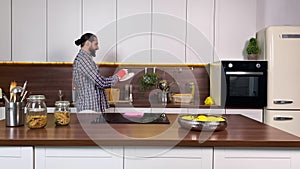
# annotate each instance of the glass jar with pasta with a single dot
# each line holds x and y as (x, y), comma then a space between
(62, 113)
(36, 112)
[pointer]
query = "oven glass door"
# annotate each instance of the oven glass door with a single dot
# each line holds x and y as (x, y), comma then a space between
(246, 89)
(246, 86)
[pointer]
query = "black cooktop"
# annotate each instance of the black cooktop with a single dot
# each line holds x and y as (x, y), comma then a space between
(146, 118)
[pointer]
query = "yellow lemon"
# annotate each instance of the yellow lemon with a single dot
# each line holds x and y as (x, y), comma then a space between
(212, 118)
(220, 119)
(188, 117)
(209, 101)
(201, 118)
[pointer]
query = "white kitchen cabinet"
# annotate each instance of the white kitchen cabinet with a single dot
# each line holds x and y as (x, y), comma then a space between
(29, 30)
(169, 110)
(16, 157)
(151, 110)
(5, 30)
(258, 158)
(78, 157)
(133, 31)
(235, 24)
(168, 31)
(167, 157)
(256, 114)
(200, 31)
(63, 28)
(206, 111)
(99, 17)
(110, 110)
(132, 109)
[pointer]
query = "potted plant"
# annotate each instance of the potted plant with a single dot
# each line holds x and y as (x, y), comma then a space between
(252, 49)
(148, 80)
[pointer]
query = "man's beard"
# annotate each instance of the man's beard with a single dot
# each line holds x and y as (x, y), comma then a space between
(92, 51)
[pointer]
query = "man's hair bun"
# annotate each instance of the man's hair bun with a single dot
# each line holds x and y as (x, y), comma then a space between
(87, 36)
(78, 42)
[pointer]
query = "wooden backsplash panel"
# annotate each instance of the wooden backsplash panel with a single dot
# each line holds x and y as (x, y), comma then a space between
(47, 79)
(180, 75)
(41, 79)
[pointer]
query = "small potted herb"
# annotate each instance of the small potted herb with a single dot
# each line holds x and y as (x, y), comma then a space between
(148, 80)
(252, 49)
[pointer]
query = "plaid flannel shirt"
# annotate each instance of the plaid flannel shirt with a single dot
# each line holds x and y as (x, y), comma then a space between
(90, 85)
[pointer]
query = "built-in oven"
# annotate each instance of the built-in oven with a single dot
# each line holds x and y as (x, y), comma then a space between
(239, 83)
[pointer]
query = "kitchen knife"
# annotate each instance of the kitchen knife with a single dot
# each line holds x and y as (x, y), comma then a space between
(24, 87)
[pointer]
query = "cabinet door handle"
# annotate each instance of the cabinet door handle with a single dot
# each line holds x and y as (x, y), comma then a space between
(281, 118)
(283, 101)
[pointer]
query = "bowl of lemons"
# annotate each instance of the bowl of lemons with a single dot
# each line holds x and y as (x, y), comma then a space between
(202, 122)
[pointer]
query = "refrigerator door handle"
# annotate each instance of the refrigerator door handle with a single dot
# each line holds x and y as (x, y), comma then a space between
(282, 118)
(283, 101)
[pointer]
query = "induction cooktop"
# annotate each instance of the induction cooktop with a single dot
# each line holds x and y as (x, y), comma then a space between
(121, 118)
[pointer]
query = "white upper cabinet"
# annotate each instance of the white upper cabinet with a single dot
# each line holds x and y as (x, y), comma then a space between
(200, 31)
(137, 31)
(133, 31)
(99, 17)
(63, 27)
(168, 31)
(5, 30)
(235, 24)
(29, 30)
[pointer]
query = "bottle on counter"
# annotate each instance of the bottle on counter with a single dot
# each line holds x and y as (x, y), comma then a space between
(36, 112)
(74, 94)
(62, 113)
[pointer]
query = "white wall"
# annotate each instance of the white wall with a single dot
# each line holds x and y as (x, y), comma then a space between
(277, 12)
(235, 25)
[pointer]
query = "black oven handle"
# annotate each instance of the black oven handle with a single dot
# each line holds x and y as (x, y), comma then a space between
(244, 73)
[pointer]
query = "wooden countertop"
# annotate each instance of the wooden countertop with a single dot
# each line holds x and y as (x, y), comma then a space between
(240, 132)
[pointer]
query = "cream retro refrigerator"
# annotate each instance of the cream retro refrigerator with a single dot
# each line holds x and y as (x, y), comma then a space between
(281, 48)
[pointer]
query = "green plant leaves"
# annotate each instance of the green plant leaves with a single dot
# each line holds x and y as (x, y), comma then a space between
(252, 47)
(148, 80)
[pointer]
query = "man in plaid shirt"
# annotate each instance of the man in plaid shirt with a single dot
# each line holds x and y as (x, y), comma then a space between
(90, 85)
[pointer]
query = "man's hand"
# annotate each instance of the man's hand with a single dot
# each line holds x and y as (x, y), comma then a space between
(121, 73)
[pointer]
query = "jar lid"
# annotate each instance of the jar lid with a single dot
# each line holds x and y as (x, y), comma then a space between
(37, 97)
(62, 103)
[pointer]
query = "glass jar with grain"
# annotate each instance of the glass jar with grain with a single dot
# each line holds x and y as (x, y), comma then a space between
(36, 112)
(62, 113)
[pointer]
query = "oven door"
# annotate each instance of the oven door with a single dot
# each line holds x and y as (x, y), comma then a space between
(246, 89)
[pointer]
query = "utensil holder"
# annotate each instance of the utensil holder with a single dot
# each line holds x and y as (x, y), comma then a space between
(14, 114)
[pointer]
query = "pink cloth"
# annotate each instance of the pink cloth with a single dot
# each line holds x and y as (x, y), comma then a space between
(134, 114)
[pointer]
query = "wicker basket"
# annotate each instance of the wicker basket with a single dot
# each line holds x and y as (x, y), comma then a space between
(113, 94)
(182, 98)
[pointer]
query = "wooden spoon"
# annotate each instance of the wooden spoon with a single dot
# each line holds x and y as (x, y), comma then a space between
(13, 84)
